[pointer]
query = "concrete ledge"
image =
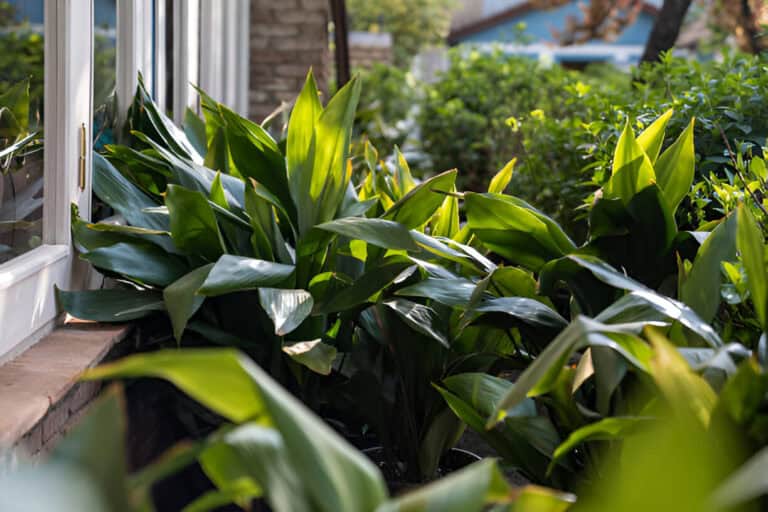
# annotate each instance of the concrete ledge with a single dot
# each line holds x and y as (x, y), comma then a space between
(40, 396)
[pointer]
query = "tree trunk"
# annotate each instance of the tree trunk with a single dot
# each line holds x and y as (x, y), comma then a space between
(665, 29)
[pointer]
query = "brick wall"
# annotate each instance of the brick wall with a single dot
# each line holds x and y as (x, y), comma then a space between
(287, 38)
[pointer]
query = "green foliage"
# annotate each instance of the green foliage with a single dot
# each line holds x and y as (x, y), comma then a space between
(388, 96)
(364, 294)
(414, 24)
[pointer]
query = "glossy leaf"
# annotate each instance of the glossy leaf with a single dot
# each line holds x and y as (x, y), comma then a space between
(379, 232)
(454, 292)
(467, 490)
(144, 263)
(420, 204)
(652, 137)
(515, 230)
(181, 298)
(752, 250)
(193, 224)
(300, 151)
(632, 169)
(675, 168)
(502, 178)
(124, 197)
(607, 429)
(286, 308)
(112, 305)
(222, 380)
(315, 355)
(237, 273)
(420, 318)
(330, 166)
(701, 289)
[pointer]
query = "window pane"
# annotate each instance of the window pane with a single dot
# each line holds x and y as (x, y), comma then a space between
(104, 71)
(21, 126)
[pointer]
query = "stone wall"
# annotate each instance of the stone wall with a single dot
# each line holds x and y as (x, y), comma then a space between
(287, 38)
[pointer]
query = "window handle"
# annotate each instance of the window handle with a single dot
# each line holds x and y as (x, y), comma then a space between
(82, 157)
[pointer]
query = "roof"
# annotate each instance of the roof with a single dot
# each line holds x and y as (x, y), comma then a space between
(522, 8)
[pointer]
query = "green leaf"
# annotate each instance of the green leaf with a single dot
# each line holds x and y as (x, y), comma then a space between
(446, 221)
(124, 197)
(143, 263)
(329, 167)
(257, 156)
(532, 498)
(686, 392)
(286, 308)
(379, 232)
(215, 378)
(326, 466)
(451, 292)
(114, 305)
(646, 299)
(315, 355)
(542, 373)
(467, 490)
(501, 180)
(525, 439)
(365, 287)
(237, 273)
(701, 289)
(515, 230)
(218, 196)
(193, 224)
(632, 169)
(181, 298)
(236, 465)
(165, 130)
(745, 484)
(607, 429)
(300, 151)
(416, 207)
(752, 250)
(652, 137)
(194, 128)
(675, 168)
(524, 309)
(420, 318)
(94, 450)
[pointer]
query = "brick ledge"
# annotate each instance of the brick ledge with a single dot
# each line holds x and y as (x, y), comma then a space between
(40, 396)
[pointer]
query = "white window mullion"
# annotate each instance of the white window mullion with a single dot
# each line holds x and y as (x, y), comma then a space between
(134, 49)
(186, 45)
(224, 51)
(212, 48)
(161, 17)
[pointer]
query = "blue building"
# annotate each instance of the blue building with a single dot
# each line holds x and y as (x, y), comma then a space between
(522, 28)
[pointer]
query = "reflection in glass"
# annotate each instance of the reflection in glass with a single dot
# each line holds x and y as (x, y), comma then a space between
(104, 72)
(21, 126)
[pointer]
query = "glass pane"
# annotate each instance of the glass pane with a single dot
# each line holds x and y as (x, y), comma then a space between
(104, 71)
(104, 80)
(21, 126)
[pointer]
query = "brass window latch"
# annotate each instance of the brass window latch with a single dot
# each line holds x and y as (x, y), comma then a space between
(83, 159)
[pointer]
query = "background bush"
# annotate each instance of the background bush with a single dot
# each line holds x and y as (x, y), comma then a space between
(563, 125)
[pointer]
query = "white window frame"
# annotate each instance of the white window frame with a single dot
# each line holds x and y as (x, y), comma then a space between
(224, 51)
(219, 29)
(186, 48)
(27, 301)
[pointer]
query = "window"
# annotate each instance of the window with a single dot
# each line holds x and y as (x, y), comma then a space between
(21, 127)
(82, 102)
